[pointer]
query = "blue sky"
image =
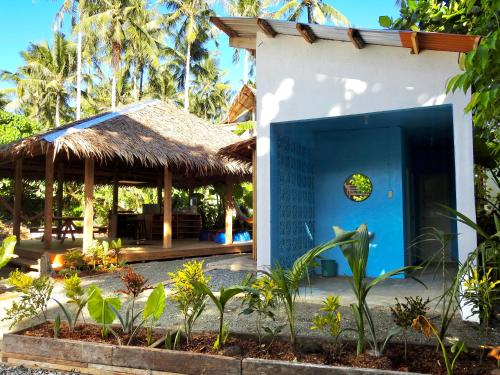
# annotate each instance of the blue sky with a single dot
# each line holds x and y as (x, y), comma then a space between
(25, 21)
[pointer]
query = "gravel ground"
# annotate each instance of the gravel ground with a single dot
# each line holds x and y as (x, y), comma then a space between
(14, 370)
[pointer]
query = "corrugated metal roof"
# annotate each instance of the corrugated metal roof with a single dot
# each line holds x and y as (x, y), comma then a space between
(248, 27)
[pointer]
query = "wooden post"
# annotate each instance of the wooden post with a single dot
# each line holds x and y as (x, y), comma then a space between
(254, 204)
(159, 186)
(44, 264)
(167, 209)
(113, 223)
(60, 197)
(18, 196)
(88, 217)
(228, 201)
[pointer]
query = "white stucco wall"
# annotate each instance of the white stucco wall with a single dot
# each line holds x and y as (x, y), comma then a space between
(297, 80)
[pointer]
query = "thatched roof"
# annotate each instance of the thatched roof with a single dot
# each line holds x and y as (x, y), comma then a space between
(240, 151)
(151, 134)
(244, 102)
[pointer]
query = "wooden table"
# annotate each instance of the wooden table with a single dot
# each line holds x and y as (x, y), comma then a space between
(67, 225)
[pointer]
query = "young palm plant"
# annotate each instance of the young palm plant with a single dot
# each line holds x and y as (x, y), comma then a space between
(318, 11)
(356, 255)
(287, 281)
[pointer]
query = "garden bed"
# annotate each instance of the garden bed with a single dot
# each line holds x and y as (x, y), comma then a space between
(247, 356)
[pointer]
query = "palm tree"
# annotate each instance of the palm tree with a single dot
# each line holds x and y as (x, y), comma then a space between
(192, 19)
(114, 22)
(45, 81)
(318, 11)
(144, 52)
(3, 100)
(210, 94)
(245, 8)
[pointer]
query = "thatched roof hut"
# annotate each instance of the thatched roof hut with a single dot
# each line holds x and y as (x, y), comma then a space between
(147, 136)
(240, 151)
(244, 102)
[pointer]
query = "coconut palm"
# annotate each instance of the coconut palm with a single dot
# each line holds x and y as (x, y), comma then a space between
(191, 18)
(114, 22)
(210, 93)
(144, 53)
(318, 11)
(45, 81)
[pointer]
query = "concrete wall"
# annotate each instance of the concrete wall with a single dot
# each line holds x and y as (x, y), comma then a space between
(376, 153)
(296, 80)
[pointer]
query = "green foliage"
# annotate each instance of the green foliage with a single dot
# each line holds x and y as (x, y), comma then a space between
(481, 292)
(329, 318)
(7, 250)
(76, 297)
(154, 309)
(317, 11)
(225, 295)
(74, 260)
(102, 309)
(287, 281)
(481, 69)
(260, 299)
(356, 255)
(14, 126)
(190, 300)
(33, 302)
(404, 314)
(57, 326)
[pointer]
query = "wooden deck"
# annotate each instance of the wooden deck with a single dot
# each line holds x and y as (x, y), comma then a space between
(30, 251)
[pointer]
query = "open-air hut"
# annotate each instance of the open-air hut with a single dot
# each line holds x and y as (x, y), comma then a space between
(151, 143)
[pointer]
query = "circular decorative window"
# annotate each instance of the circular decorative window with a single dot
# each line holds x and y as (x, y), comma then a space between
(357, 187)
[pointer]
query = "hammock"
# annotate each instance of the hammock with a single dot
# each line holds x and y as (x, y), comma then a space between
(241, 215)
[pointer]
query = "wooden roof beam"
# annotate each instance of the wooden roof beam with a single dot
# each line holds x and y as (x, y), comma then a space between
(306, 32)
(266, 28)
(356, 38)
(246, 42)
(222, 26)
(415, 47)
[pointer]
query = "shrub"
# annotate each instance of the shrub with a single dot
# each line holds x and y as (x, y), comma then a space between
(74, 259)
(190, 301)
(33, 302)
(76, 296)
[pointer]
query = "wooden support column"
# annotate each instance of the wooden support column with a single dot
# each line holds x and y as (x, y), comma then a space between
(228, 201)
(113, 222)
(88, 206)
(18, 196)
(159, 186)
(167, 208)
(254, 204)
(44, 263)
(60, 197)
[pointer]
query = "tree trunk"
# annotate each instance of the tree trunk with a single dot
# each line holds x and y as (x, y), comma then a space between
(246, 67)
(79, 76)
(113, 91)
(135, 92)
(141, 80)
(186, 78)
(58, 121)
(309, 14)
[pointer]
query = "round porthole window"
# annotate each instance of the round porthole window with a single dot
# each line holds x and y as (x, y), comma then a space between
(358, 187)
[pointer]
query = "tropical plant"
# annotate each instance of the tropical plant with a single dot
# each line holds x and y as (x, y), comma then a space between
(57, 326)
(190, 300)
(7, 250)
(425, 326)
(192, 19)
(287, 281)
(33, 302)
(102, 310)
(318, 11)
(261, 300)
(74, 260)
(481, 293)
(76, 296)
(225, 295)
(329, 318)
(154, 309)
(134, 284)
(16, 126)
(356, 255)
(404, 314)
(44, 82)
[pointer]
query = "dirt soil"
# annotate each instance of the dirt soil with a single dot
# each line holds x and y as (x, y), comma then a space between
(420, 358)
(90, 333)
